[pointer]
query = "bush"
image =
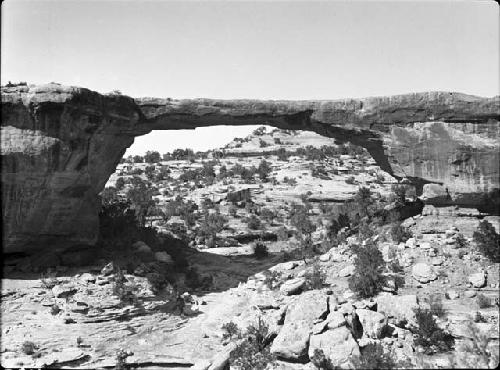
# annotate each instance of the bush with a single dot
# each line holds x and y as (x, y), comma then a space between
(487, 241)
(315, 277)
(400, 234)
(483, 301)
(399, 193)
(28, 347)
(231, 331)
(460, 241)
(253, 352)
(436, 306)
(475, 353)
(367, 279)
(321, 361)
(350, 180)
(428, 335)
(373, 356)
(260, 250)
(253, 222)
(273, 279)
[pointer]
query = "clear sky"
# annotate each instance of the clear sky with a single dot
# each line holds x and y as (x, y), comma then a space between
(259, 49)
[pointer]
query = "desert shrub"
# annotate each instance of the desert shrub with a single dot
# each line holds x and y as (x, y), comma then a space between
(400, 234)
(264, 170)
(48, 280)
(321, 361)
(479, 318)
(367, 279)
(233, 210)
(475, 352)
(282, 154)
(487, 241)
(231, 331)
(127, 293)
(436, 305)
(365, 230)
(54, 309)
(212, 224)
(428, 334)
(373, 356)
(282, 234)
(28, 347)
(290, 181)
(260, 250)
(194, 280)
(267, 214)
(399, 193)
(259, 131)
(253, 222)
(460, 241)
(483, 301)
(315, 277)
(273, 279)
(350, 180)
(263, 144)
(253, 352)
(120, 358)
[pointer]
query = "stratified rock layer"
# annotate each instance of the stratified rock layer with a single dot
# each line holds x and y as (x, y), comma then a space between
(60, 144)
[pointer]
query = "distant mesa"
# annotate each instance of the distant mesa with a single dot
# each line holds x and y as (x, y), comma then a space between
(61, 143)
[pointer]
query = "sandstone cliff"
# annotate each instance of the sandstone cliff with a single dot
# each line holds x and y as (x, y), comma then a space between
(60, 144)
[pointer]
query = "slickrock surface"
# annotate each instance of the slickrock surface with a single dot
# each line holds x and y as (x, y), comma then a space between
(60, 144)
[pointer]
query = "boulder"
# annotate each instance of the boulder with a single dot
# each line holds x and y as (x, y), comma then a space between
(335, 319)
(452, 294)
(293, 286)
(423, 273)
(293, 338)
(478, 280)
(338, 346)
(108, 269)
(400, 308)
(373, 322)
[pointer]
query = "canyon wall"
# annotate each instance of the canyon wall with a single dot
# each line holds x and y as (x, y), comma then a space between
(60, 144)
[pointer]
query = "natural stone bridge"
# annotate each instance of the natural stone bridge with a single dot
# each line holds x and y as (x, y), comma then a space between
(60, 145)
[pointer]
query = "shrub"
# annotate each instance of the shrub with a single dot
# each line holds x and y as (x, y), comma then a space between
(321, 361)
(263, 144)
(233, 210)
(253, 352)
(475, 353)
(260, 250)
(400, 234)
(483, 301)
(350, 180)
(253, 222)
(273, 279)
(121, 357)
(315, 277)
(28, 347)
(399, 193)
(367, 279)
(264, 170)
(436, 306)
(460, 241)
(373, 356)
(488, 241)
(54, 309)
(194, 280)
(428, 335)
(231, 331)
(49, 280)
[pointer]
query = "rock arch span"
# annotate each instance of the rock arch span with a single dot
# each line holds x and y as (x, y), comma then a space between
(60, 144)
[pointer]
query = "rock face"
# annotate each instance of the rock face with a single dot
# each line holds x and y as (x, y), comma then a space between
(60, 144)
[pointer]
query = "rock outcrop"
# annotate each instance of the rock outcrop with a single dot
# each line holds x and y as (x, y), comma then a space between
(60, 144)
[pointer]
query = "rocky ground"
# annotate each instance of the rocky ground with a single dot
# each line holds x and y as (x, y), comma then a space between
(98, 316)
